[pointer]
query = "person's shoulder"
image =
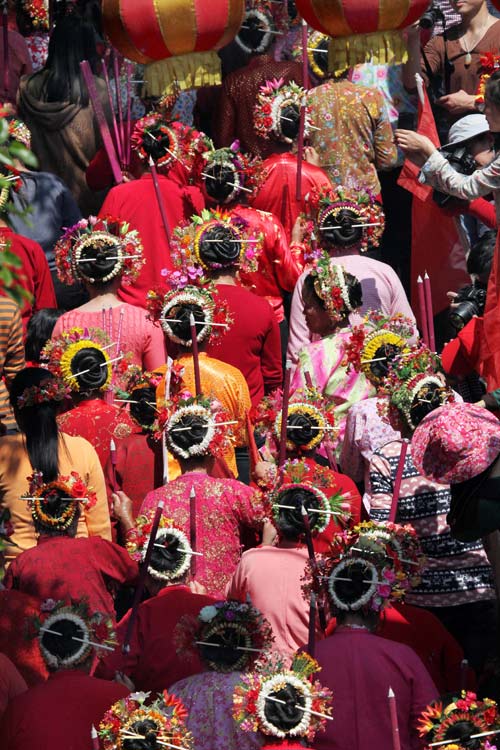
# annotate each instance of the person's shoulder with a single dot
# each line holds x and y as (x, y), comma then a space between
(8, 308)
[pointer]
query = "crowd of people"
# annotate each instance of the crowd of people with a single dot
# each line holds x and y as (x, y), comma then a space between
(249, 471)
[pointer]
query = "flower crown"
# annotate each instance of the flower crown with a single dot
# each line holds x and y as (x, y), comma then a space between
(389, 334)
(38, 13)
(59, 352)
(136, 380)
(217, 316)
(166, 721)
(437, 722)
(138, 539)
(331, 287)
(318, 481)
(246, 171)
(326, 203)
(218, 435)
(20, 132)
(315, 43)
(259, 689)
(91, 630)
(263, 12)
(74, 491)
(402, 545)
(225, 625)
(272, 98)
(145, 130)
(188, 239)
(77, 249)
(49, 390)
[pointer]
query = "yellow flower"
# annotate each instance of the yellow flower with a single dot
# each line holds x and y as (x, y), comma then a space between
(67, 357)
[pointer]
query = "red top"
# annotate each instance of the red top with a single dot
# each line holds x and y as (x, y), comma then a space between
(16, 608)
(92, 567)
(252, 343)
(136, 203)
(278, 192)
(11, 682)
(97, 422)
(59, 714)
(153, 663)
(461, 355)
(34, 275)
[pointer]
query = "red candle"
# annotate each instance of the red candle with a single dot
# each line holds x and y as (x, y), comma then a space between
(95, 738)
(305, 83)
(397, 482)
(159, 198)
(192, 529)
(423, 311)
(430, 316)
(396, 744)
(112, 452)
(112, 108)
(196, 357)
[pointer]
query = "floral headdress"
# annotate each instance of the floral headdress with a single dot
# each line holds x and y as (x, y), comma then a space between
(373, 345)
(209, 416)
(135, 382)
(489, 64)
(263, 15)
(72, 492)
(414, 381)
(305, 700)
(246, 173)
(169, 535)
(214, 316)
(458, 720)
(162, 722)
(49, 390)
(12, 150)
(317, 52)
(272, 98)
(91, 241)
(375, 559)
(74, 621)
(316, 480)
(38, 13)
(20, 132)
(228, 635)
(149, 128)
(61, 356)
(340, 207)
(331, 287)
(212, 226)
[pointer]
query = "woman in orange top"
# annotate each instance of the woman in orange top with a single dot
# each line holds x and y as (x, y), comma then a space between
(35, 397)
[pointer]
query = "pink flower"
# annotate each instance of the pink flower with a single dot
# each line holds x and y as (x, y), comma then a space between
(389, 574)
(384, 590)
(164, 272)
(48, 605)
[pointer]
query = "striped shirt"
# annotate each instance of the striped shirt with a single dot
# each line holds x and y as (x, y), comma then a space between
(11, 355)
(455, 573)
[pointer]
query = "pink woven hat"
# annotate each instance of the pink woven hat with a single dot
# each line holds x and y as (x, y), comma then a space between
(455, 443)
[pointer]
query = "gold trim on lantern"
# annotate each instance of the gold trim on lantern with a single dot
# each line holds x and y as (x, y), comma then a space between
(116, 31)
(187, 71)
(391, 14)
(380, 48)
(177, 24)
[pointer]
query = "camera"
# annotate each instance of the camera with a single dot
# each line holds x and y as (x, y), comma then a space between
(431, 17)
(469, 302)
(462, 162)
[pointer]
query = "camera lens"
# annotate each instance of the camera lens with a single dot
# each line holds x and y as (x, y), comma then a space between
(463, 313)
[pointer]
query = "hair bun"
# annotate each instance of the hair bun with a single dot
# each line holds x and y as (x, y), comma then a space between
(90, 368)
(190, 430)
(98, 257)
(142, 408)
(285, 715)
(290, 121)
(219, 247)
(221, 181)
(301, 428)
(337, 227)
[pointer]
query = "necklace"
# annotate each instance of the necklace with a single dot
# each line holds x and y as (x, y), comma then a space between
(468, 48)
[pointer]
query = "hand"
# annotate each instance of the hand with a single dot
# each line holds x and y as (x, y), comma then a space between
(269, 533)
(122, 679)
(452, 297)
(197, 588)
(265, 473)
(481, 404)
(416, 147)
(311, 156)
(122, 508)
(413, 30)
(298, 230)
(458, 103)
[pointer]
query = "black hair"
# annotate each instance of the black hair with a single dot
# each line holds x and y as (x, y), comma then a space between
(350, 591)
(218, 184)
(321, 57)
(291, 522)
(63, 646)
(88, 362)
(40, 327)
(384, 356)
(185, 438)
(147, 728)
(481, 254)
(462, 731)
(225, 252)
(72, 41)
(38, 423)
(303, 428)
(156, 143)
(182, 311)
(290, 121)
(432, 393)
(144, 411)
(253, 35)
(166, 559)
(104, 260)
(285, 716)
(354, 289)
(55, 503)
(347, 234)
(225, 655)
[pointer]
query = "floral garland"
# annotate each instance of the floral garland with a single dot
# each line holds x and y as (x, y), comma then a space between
(138, 539)
(91, 627)
(207, 411)
(377, 332)
(257, 688)
(327, 505)
(38, 13)
(317, 42)
(136, 380)
(228, 621)
(60, 351)
(166, 713)
(402, 546)
(246, 171)
(20, 132)
(97, 235)
(217, 316)
(489, 63)
(272, 98)
(71, 486)
(330, 286)
(437, 721)
(48, 390)
(262, 12)
(326, 203)
(147, 128)
(187, 243)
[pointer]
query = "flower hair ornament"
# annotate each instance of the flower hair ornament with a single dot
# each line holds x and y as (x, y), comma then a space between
(69, 632)
(38, 13)
(283, 702)
(331, 287)
(197, 426)
(139, 391)
(49, 390)
(19, 131)
(227, 173)
(80, 358)
(308, 487)
(228, 635)
(172, 554)
(489, 64)
(373, 345)
(402, 546)
(317, 54)
(161, 723)
(278, 110)
(345, 218)
(153, 136)
(458, 721)
(214, 240)
(260, 23)
(97, 250)
(173, 309)
(55, 505)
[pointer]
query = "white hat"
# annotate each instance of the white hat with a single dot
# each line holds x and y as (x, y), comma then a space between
(466, 128)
